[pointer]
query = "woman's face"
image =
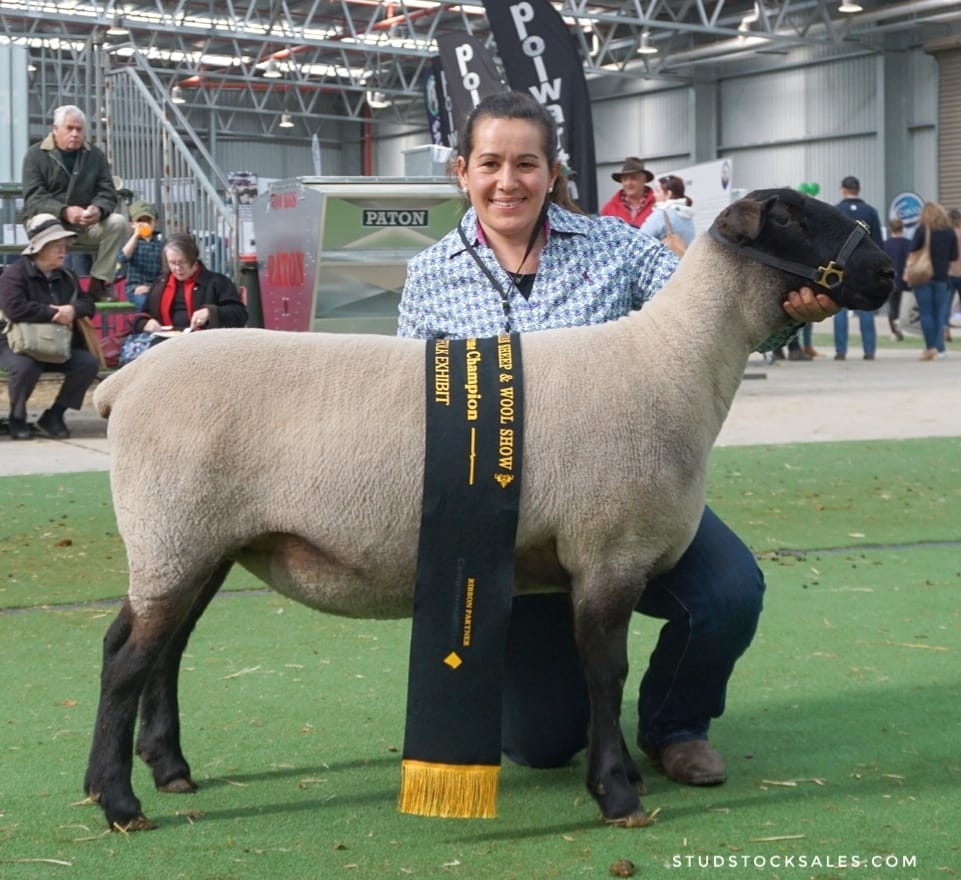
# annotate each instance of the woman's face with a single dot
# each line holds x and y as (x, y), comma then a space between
(51, 255)
(507, 175)
(180, 267)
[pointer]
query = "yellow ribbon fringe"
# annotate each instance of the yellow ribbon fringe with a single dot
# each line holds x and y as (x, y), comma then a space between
(451, 791)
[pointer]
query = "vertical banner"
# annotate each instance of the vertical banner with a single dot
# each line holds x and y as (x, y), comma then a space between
(540, 57)
(469, 76)
(437, 105)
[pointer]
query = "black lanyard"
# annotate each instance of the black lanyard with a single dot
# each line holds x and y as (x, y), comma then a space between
(505, 299)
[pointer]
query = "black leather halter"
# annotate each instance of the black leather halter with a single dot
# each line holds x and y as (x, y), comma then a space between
(829, 277)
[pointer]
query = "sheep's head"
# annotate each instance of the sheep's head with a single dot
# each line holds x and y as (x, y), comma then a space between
(811, 242)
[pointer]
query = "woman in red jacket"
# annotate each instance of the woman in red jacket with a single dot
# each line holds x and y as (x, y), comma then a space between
(188, 294)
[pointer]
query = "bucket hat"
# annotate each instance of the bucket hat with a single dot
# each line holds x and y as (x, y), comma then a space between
(42, 229)
(633, 165)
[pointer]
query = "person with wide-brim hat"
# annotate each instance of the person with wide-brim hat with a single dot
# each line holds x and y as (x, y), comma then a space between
(634, 201)
(39, 289)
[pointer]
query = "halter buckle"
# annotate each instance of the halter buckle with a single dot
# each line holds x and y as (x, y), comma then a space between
(829, 276)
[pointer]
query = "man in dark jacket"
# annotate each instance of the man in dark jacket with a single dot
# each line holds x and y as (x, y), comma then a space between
(65, 176)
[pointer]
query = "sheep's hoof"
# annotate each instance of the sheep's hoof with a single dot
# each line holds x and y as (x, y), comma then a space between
(637, 819)
(182, 785)
(140, 823)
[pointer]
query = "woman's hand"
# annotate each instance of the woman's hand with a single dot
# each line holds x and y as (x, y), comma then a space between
(807, 307)
(152, 326)
(199, 319)
(64, 314)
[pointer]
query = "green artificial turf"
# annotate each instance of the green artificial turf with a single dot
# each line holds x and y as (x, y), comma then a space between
(841, 732)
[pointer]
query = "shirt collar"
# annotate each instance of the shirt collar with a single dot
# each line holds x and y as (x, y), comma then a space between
(558, 220)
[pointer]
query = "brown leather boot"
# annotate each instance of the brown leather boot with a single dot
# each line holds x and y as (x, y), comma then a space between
(695, 762)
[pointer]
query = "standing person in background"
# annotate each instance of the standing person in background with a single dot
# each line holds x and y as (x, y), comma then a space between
(934, 298)
(634, 201)
(65, 176)
(141, 254)
(672, 209)
(857, 209)
(896, 246)
(954, 273)
(545, 267)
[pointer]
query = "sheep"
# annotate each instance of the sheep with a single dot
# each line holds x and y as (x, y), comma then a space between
(299, 456)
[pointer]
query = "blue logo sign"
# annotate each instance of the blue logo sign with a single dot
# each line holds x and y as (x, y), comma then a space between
(907, 207)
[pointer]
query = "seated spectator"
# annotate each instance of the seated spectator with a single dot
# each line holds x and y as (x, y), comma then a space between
(65, 176)
(188, 295)
(39, 289)
(139, 258)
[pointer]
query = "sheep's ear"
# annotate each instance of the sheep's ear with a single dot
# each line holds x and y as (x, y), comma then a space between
(743, 220)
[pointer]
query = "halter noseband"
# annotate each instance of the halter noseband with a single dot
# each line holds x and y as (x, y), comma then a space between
(828, 277)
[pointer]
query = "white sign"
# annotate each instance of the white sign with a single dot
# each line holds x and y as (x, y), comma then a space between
(709, 186)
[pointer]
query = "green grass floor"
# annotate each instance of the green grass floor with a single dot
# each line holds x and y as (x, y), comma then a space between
(841, 733)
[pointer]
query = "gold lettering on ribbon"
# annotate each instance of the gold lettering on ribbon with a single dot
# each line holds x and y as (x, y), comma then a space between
(468, 613)
(474, 358)
(505, 357)
(442, 372)
(505, 439)
(472, 457)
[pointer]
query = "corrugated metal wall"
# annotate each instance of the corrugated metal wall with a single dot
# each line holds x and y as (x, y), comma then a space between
(949, 128)
(13, 111)
(922, 124)
(794, 126)
(812, 123)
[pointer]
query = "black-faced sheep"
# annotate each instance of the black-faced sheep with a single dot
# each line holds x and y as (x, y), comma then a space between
(299, 456)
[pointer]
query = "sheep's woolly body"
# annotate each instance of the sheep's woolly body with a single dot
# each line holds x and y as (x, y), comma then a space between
(301, 456)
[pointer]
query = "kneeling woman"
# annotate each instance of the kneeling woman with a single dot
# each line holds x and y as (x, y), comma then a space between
(38, 289)
(189, 295)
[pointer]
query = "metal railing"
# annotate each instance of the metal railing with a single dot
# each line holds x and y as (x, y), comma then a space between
(156, 152)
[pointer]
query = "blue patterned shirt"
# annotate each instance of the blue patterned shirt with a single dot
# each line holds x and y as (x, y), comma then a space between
(591, 270)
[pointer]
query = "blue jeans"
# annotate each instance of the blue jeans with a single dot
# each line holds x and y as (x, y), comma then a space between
(711, 601)
(869, 334)
(933, 299)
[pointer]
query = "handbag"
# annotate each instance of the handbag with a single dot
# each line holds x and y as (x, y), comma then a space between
(135, 344)
(672, 240)
(918, 269)
(42, 340)
(91, 341)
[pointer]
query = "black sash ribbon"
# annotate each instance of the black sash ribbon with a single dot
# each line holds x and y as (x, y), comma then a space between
(465, 573)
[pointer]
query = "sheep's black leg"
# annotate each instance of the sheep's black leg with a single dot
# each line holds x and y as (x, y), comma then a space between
(158, 740)
(612, 777)
(129, 652)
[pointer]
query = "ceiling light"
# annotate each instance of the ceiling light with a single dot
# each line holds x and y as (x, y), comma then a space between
(177, 95)
(850, 7)
(377, 100)
(645, 47)
(117, 29)
(286, 121)
(272, 70)
(31, 68)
